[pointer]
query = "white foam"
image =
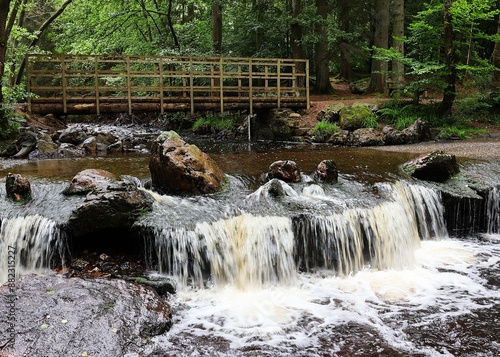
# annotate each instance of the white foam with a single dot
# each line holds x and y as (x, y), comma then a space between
(445, 282)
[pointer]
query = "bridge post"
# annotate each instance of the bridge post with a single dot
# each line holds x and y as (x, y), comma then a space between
(250, 84)
(278, 70)
(191, 89)
(160, 70)
(96, 79)
(129, 90)
(221, 84)
(64, 84)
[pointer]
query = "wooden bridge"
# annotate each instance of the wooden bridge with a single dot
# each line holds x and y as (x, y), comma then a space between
(95, 84)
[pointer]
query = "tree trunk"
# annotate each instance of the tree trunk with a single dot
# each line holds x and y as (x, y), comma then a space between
(217, 27)
(381, 40)
(42, 28)
(296, 38)
(6, 23)
(450, 57)
(323, 84)
(344, 46)
(496, 57)
(398, 69)
(171, 25)
(259, 9)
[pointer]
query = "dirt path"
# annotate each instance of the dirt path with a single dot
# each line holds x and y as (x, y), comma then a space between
(485, 147)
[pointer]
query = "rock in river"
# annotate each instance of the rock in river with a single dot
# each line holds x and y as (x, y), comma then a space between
(110, 202)
(178, 167)
(57, 316)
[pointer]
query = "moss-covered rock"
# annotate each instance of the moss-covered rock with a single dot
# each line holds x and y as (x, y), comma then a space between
(355, 116)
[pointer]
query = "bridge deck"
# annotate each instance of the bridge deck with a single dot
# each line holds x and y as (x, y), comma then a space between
(83, 84)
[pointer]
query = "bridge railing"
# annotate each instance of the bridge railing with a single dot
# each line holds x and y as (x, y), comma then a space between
(70, 84)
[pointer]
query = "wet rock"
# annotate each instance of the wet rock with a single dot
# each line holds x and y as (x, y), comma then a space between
(436, 166)
(327, 171)
(73, 135)
(367, 137)
(47, 148)
(18, 188)
(286, 170)
(111, 202)
(116, 147)
(25, 144)
(69, 150)
(90, 180)
(57, 316)
(178, 167)
(355, 116)
(161, 284)
(90, 145)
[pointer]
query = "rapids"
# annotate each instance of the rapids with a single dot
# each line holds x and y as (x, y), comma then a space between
(364, 267)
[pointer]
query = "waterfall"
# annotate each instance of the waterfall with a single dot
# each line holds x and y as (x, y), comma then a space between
(244, 251)
(384, 236)
(250, 250)
(33, 241)
(493, 211)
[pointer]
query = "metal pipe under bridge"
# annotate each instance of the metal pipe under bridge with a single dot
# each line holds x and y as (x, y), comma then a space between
(97, 84)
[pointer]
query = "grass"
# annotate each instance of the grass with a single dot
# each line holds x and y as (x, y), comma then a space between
(325, 128)
(214, 123)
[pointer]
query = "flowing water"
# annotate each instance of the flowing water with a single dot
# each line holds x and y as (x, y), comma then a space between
(364, 267)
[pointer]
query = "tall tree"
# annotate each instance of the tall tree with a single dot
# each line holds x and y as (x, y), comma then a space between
(450, 60)
(323, 84)
(496, 56)
(379, 70)
(7, 18)
(344, 45)
(217, 27)
(296, 36)
(398, 31)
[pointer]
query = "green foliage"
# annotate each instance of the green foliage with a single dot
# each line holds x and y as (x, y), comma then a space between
(454, 132)
(214, 123)
(325, 128)
(370, 122)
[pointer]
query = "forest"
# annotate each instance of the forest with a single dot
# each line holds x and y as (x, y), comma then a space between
(444, 46)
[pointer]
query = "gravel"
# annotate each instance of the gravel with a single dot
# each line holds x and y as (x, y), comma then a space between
(479, 148)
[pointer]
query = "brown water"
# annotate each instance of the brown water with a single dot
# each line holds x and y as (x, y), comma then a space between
(235, 159)
(446, 303)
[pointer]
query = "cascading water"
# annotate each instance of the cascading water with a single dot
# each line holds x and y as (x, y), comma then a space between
(306, 269)
(35, 240)
(256, 250)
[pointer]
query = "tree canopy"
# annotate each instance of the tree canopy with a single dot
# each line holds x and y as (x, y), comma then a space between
(418, 43)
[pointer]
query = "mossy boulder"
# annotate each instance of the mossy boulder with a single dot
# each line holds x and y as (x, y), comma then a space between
(355, 116)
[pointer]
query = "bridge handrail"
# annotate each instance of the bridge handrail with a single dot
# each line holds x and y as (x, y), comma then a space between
(64, 79)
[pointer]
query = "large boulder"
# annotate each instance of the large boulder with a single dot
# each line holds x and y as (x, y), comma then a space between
(18, 188)
(436, 166)
(178, 167)
(417, 132)
(367, 137)
(286, 170)
(57, 316)
(111, 202)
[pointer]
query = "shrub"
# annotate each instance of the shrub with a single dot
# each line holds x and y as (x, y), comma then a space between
(214, 123)
(325, 128)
